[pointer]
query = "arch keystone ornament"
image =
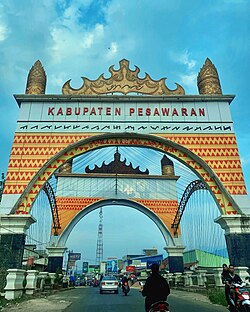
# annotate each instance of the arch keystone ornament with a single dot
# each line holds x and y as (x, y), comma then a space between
(197, 130)
(124, 80)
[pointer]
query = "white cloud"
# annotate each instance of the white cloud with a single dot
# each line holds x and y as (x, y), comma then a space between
(245, 161)
(68, 43)
(3, 26)
(58, 79)
(3, 32)
(190, 81)
(92, 36)
(112, 50)
(88, 41)
(235, 1)
(184, 58)
(188, 75)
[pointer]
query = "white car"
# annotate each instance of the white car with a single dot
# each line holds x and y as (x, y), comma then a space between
(109, 283)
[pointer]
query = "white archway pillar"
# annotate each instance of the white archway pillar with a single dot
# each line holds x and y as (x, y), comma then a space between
(55, 259)
(237, 235)
(175, 258)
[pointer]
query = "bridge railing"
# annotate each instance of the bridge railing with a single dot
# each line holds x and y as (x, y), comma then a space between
(28, 282)
(202, 278)
(31, 281)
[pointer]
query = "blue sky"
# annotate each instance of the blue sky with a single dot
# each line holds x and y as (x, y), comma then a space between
(164, 38)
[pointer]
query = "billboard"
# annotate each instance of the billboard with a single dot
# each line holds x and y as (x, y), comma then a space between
(85, 267)
(112, 265)
(71, 263)
(74, 256)
(130, 268)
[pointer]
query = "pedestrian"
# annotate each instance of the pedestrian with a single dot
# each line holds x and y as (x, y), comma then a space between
(224, 278)
(156, 288)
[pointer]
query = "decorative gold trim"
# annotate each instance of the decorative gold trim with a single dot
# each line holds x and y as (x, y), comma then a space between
(123, 80)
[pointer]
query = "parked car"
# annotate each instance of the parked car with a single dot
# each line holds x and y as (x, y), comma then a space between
(109, 283)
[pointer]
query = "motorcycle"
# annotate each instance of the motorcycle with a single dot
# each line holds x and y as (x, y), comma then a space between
(125, 288)
(160, 306)
(239, 298)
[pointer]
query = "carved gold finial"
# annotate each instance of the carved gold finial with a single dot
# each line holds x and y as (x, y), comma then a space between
(36, 82)
(66, 167)
(123, 80)
(167, 166)
(208, 79)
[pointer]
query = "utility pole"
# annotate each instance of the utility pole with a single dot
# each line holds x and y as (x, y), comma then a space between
(99, 247)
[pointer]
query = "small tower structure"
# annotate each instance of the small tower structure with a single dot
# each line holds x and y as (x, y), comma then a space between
(36, 81)
(99, 247)
(208, 79)
(167, 166)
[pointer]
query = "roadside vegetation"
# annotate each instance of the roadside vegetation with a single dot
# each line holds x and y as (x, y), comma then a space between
(217, 296)
(4, 302)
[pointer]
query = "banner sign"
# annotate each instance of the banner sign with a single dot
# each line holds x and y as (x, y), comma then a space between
(143, 117)
(85, 267)
(130, 268)
(74, 256)
(71, 263)
(112, 265)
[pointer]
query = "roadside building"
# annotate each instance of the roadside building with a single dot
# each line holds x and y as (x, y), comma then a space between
(201, 259)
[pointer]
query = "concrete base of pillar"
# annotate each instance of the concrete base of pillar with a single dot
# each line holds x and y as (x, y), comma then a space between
(11, 254)
(13, 294)
(175, 264)
(12, 241)
(55, 264)
(14, 286)
(238, 249)
(237, 234)
(31, 282)
(55, 259)
(175, 258)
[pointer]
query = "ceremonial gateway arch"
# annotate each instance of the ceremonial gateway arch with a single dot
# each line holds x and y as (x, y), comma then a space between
(53, 129)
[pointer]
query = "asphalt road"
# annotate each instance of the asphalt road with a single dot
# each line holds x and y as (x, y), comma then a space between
(89, 299)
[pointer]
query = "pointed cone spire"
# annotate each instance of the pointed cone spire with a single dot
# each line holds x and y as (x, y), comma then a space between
(208, 79)
(36, 82)
(167, 166)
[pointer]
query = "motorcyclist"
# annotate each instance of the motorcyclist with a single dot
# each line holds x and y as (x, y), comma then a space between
(156, 288)
(232, 278)
(124, 280)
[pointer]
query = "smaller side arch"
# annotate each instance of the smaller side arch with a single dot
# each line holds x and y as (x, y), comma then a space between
(61, 242)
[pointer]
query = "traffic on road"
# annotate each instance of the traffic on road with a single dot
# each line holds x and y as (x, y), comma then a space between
(89, 299)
